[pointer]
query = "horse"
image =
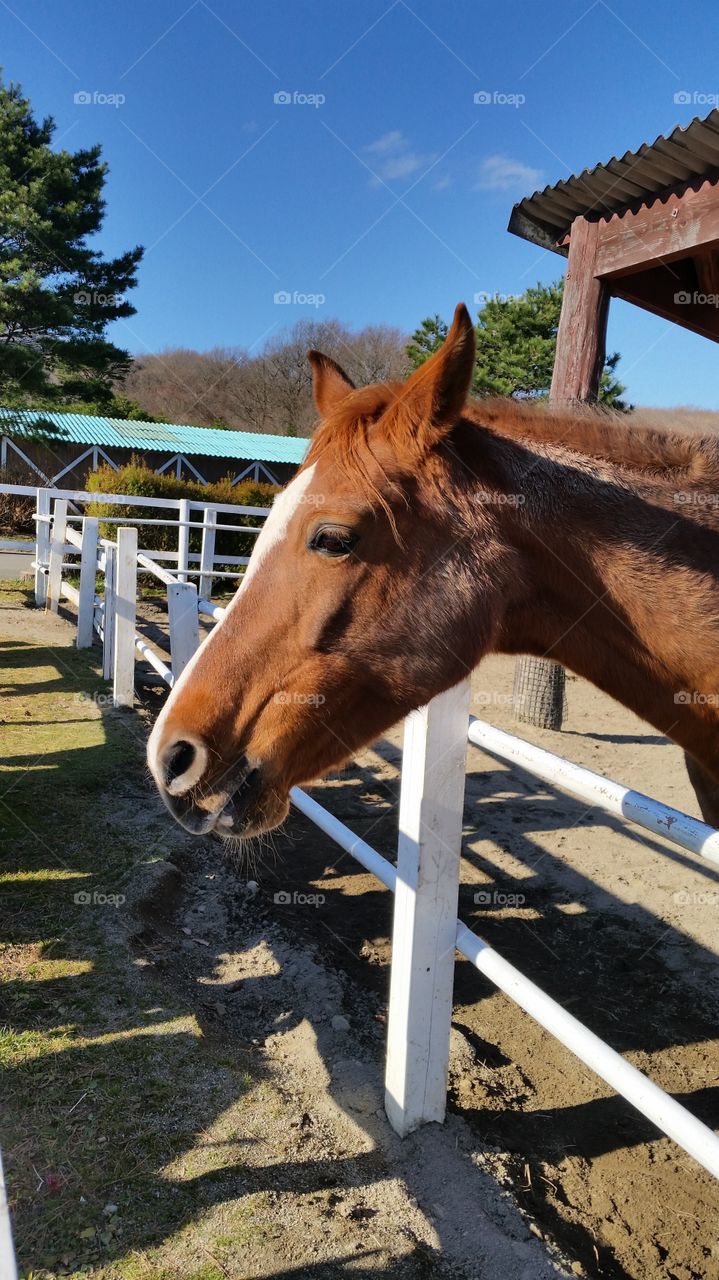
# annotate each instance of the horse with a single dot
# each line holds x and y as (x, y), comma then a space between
(423, 531)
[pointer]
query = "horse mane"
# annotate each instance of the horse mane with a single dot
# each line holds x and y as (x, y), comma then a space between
(603, 435)
(595, 434)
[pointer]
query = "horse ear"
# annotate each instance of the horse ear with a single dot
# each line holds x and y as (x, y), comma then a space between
(436, 393)
(330, 384)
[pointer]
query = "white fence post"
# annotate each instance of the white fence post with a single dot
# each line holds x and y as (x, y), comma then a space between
(108, 615)
(42, 545)
(183, 540)
(88, 571)
(425, 910)
(184, 624)
(207, 556)
(57, 552)
(8, 1270)
(123, 672)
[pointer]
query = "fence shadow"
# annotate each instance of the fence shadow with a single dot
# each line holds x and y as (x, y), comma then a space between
(130, 1059)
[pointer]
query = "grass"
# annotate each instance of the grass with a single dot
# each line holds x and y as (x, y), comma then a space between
(120, 1115)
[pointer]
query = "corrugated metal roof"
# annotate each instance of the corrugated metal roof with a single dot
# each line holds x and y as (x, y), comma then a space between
(166, 437)
(691, 151)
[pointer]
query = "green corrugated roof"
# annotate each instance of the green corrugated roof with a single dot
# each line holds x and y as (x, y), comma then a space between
(166, 437)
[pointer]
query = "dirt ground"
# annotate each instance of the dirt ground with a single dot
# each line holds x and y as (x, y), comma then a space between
(540, 1170)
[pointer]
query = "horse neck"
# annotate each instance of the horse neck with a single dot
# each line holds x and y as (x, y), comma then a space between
(609, 578)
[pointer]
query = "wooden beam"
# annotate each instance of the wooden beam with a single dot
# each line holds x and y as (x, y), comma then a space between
(673, 225)
(675, 297)
(707, 269)
(581, 337)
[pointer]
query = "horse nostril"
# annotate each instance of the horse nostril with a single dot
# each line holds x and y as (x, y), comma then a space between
(178, 760)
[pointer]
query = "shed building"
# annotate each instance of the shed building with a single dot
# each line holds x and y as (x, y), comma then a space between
(79, 443)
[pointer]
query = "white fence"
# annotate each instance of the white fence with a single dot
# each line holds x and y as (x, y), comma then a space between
(425, 881)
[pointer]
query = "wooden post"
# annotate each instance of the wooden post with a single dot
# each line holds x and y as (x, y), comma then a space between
(538, 693)
(184, 624)
(57, 552)
(123, 673)
(88, 570)
(581, 338)
(425, 910)
(108, 616)
(183, 540)
(42, 545)
(207, 555)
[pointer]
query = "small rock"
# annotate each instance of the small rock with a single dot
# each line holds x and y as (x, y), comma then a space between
(339, 1023)
(251, 888)
(109, 1210)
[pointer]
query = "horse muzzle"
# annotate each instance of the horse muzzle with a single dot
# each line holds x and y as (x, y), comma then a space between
(202, 798)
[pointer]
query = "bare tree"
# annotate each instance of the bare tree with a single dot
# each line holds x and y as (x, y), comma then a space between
(270, 392)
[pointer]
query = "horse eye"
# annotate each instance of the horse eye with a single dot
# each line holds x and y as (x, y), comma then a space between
(333, 542)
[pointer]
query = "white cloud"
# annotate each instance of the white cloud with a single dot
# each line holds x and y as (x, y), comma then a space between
(392, 141)
(501, 173)
(402, 166)
(442, 183)
(394, 157)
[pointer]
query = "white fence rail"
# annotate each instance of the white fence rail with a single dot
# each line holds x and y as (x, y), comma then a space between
(62, 531)
(425, 881)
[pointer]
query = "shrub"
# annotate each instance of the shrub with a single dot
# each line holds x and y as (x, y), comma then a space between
(140, 481)
(17, 514)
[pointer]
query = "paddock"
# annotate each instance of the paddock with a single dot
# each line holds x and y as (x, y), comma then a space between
(415, 1078)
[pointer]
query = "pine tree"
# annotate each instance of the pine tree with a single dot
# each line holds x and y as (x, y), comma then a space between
(57, 295)
(516, 343)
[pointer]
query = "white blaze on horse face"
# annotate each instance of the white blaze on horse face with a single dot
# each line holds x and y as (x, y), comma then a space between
(271, 534)
(275, 526)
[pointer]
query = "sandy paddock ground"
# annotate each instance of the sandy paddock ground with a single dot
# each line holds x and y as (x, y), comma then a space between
(540, 1170)
(618, 925)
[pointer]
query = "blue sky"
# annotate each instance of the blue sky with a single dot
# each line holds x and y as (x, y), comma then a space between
(381, 186)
